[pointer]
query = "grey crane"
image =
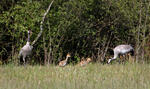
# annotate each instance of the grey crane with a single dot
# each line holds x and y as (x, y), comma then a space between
(121, 50)
(26, 49)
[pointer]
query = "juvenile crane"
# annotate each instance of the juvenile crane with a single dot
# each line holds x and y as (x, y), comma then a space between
(121, 50)
(26, 49)
(85, 62)
(64, 62)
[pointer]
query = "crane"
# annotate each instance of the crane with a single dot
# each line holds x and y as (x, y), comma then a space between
(121, 50)
(64, 62)
(26, 49)
(85, 62)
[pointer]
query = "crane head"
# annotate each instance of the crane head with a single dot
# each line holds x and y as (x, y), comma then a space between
(68, 55)
(109, 60)
(29, 32)
(89, 59)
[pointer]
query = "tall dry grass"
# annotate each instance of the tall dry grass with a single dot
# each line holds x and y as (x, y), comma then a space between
(92, 76)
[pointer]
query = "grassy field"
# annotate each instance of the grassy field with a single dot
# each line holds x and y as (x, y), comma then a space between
(92, 76)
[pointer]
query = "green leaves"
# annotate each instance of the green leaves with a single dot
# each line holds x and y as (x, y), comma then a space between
(77, 26)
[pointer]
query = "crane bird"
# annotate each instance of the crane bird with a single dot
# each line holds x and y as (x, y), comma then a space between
(121, 50)
(64, 62)
(85, 62)
(26, 49)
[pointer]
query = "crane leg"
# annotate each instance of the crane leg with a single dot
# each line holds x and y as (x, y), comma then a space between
(24, 60)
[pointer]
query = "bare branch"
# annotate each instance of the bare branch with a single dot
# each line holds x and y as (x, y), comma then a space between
(41, 24)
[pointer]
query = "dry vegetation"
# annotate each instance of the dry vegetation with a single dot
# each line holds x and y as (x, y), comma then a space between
(92, 76)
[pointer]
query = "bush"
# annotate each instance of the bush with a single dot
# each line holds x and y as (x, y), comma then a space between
(84, 28)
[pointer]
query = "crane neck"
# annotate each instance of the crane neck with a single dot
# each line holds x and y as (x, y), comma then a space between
(28, 37)
(28, 43)
(67, 58)
(28, 40)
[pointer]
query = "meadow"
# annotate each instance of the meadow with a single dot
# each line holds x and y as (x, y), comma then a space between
(92, 76)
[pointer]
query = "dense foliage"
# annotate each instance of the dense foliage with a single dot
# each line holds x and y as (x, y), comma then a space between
(89, 28)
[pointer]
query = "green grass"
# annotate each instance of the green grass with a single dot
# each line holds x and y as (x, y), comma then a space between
(92, 76)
